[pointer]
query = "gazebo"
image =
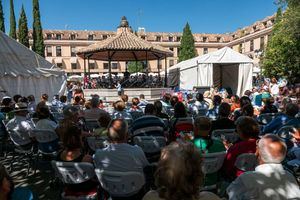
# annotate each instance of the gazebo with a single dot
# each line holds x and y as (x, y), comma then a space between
(124, 46)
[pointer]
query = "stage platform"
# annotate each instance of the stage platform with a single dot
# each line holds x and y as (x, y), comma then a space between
(151, 94)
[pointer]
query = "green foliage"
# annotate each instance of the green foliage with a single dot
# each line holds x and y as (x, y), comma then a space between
(282, 57)
(187, 44)
(2, 25)
(135, 66)
(12, 30)
(23, 29)
(37, 31)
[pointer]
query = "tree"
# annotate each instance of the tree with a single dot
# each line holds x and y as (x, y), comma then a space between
(12, 30)
(23, 29)
(135, 66)
(37, 31)
(2, 25)
(282, 53)
(187, 44)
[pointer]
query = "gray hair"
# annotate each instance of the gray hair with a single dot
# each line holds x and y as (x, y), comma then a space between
(267, 153)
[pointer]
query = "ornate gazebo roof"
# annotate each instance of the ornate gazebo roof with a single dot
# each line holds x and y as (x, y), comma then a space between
(124, 46)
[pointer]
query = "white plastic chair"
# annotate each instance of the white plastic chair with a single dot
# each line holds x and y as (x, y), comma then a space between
(44, 136)
(74, 173)
(212, 162)
(246, 162)
(121, 184)
(266, 118)
(286, 131)
(227, 134)
(92, 124)
(97, 142)
(150, 144)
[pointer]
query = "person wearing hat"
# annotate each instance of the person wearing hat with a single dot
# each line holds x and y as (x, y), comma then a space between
(6, 105)
(19, 128)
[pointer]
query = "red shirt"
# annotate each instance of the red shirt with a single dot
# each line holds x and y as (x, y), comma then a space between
(229, 170)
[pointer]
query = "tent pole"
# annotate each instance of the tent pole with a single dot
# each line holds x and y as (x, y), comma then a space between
(158, 68)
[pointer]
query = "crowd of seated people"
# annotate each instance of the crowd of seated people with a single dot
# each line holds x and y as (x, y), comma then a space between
(188, 126)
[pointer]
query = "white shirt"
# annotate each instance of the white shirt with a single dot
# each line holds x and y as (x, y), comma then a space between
(46, 124)
(274, 89)
(20, 130)
(121, 157)
(268, 181)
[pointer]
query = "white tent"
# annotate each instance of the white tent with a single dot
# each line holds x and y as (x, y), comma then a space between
(24, 72)
(223, 68)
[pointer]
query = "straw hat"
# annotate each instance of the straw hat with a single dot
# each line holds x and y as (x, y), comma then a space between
(21, 106)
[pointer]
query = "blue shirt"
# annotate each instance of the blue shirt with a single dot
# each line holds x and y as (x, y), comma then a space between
(280, 121)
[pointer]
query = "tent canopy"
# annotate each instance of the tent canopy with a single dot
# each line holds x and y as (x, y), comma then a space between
(223, 68)
(24, 72)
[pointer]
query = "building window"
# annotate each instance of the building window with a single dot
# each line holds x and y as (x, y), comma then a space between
(58, 51)
(171, 49)
(240, 48)
(158, 38)
(49, 51)
(170, 39)
(254, 28)
(105, 65)
(178, 39)
(91, 37)
(251, 45)
(143, 37)
(74, 65)
(171, 63)
(114, 65)
(218, 39)
(205, 50)
(73, 52)
(73, 37)
(92, 65)
(49, 36)
(204, 39)
(262, 43)
(178, 51)
(159, 64)
(104, 37)
(60, 65)
(58, 36)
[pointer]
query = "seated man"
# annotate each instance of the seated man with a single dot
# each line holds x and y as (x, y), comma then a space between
(19, 128)
(247, 130)
(205, 144)
(286, 119)
(149, 124)
(223, 121)
(94, 112)
(200, 107)
(269, 180)
(120, 156)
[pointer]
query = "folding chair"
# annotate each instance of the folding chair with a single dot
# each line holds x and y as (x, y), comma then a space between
(266, 118)
(225, 134)
(246, 162)
(121, 184)
(285, 132)
(71, 173)
(95, 143)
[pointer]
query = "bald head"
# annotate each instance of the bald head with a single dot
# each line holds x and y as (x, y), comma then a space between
(117, 132)
(271, 149)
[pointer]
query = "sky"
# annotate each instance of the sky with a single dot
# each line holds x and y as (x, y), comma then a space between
(204, 16)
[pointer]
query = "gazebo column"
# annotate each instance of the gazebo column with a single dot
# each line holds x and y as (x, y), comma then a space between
(147, 70)
(109, 71)
(166, 76)
(84, 70)
(88, 68)
(158, 59)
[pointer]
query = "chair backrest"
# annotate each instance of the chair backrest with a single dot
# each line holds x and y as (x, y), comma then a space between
(19, 138)
(92, 124)
(285, 132)
(135, 114)
(212, 162)
(150, 144)
(227, 134)
(72, 172)
(34, 120)
(129, 121)
(246, 162)
(44, 135)
(97, 142)
(120, 184)
(266, 118)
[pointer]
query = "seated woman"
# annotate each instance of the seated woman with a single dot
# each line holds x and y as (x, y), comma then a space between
(73, 146)
(179, 175)
(8, 190)
(248, 131)
(186, 125)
